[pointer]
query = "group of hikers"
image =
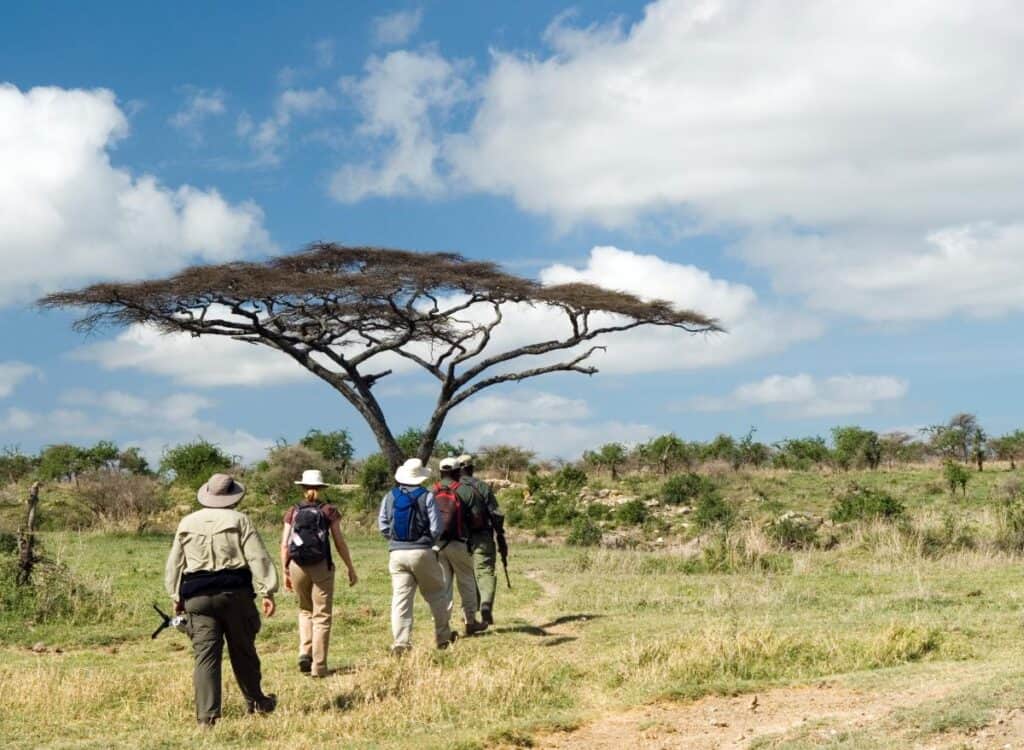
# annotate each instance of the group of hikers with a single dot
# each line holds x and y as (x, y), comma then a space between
(439, 539)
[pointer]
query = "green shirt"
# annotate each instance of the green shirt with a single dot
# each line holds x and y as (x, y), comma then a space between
(219, 539)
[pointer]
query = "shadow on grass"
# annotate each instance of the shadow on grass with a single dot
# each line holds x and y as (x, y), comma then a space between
(541, 631)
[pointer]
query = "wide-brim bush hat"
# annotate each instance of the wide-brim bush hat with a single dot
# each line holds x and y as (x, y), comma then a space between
(465, 460)
(449, 463)
(412, 472)
(221, 491)
(312, 478)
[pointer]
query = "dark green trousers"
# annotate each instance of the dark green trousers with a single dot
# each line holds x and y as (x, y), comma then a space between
(214, 618)
(485, 557)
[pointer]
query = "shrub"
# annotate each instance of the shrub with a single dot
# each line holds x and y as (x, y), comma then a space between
(375, 478)
(712, 510)
(632, 512)
(793, 531)
(120, 499)
(599, 512)
(862, 503)
(193, 463)
(950, 535)
(956, 476)
(685, 488)
(276, 476)
(570, 479)
(554, 509)
(584, 533)
(54, 594)
(1010, 535)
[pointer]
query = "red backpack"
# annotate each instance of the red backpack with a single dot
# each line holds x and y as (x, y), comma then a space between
(449, 506)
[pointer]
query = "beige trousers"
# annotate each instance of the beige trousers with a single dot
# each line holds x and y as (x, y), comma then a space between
(411, 569)
(314, 587)
(457, 566)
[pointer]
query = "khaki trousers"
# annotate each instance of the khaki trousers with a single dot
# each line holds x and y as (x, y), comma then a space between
(485, 559)
(314, 588)
(411, 569)
(457, 566)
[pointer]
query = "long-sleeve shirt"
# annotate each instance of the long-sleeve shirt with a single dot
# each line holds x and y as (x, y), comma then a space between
(219, 539)
(495, 518)
(427, 509)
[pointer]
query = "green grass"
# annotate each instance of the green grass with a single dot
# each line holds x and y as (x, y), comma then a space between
(584, 632)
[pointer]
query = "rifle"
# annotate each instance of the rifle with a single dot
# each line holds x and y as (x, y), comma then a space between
(177, 622)
(503, 550)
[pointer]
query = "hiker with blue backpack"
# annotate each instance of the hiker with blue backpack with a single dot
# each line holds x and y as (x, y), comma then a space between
(309, 528)
(456, 503)
(409, 520)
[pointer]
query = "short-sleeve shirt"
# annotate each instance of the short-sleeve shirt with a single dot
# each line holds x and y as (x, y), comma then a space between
(330, 513)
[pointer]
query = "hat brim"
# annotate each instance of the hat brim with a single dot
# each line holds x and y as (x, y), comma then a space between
(412, 477)
(209, 500)
(313, 484)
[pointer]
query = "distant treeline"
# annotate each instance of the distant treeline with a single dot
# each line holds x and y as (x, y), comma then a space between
(960, 439)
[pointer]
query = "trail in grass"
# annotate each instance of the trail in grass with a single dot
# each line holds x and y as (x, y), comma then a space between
(804, 716)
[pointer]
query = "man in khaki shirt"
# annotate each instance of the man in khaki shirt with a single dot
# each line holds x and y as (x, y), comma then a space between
(217, 566)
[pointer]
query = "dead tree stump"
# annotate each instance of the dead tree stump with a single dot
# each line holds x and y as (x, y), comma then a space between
(27, 538)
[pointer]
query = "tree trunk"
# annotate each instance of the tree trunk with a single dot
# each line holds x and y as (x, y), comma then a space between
(26, 542)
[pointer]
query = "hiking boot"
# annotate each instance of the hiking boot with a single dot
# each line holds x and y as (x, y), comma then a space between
(486, 617)
(451, 639)
(206, 724)
(400, 650)
(472, 628)
(305, 664)
(264, 705)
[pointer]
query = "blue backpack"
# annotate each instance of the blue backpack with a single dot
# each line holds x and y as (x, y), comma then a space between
(407, 523)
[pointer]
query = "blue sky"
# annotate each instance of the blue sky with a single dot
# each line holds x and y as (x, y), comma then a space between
(841, 187)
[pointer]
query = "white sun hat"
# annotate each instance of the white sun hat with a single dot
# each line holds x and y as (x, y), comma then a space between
(412, 472)
(465, 459)
(312, 478)
(449, 463)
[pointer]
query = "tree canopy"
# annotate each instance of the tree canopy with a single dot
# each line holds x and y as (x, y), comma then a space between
(336, 309)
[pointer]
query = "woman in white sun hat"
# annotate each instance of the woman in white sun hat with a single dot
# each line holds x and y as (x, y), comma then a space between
(409, 520)
(309, 570)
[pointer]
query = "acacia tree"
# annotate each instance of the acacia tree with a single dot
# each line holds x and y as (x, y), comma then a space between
(338, 310)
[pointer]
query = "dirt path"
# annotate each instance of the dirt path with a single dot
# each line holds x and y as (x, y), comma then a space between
(735, 722)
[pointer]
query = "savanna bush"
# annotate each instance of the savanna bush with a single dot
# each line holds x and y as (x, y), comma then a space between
(712, 510)
(570, 479)
(584, 533)
(632, 512)
(1010, 530)
(375, 478)
(792, 532)
(863, 503)
(121, 500)
(685, 488)
(54, 594)
(275, 477)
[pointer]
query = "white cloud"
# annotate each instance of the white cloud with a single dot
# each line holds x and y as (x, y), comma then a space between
(975, 269)
(68, 216)
(396, 28)
(805, 396)
(565, 440)
(199, 362)
(399, 99)
(323, 51)
(13, 373)
(842, 142)
(149, 423)
(503, 408)
(268, 137)
(200, 105)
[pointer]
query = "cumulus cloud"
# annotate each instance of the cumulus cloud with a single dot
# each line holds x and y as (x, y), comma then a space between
(152, 424)
(555, 439)
(12, 374)
(502, 408)
(269, 136)
(396, 28)
(68, 216)
(399, 100)
(199, 106)
(843, 139)
(805, 396)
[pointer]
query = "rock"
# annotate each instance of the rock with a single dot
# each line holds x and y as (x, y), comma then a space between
(685, 510)
(604, 493)
(39, 648)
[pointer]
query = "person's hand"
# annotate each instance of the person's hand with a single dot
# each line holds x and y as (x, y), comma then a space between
(177, 607)
(353, 579)
(269, 608)
(288, 583)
